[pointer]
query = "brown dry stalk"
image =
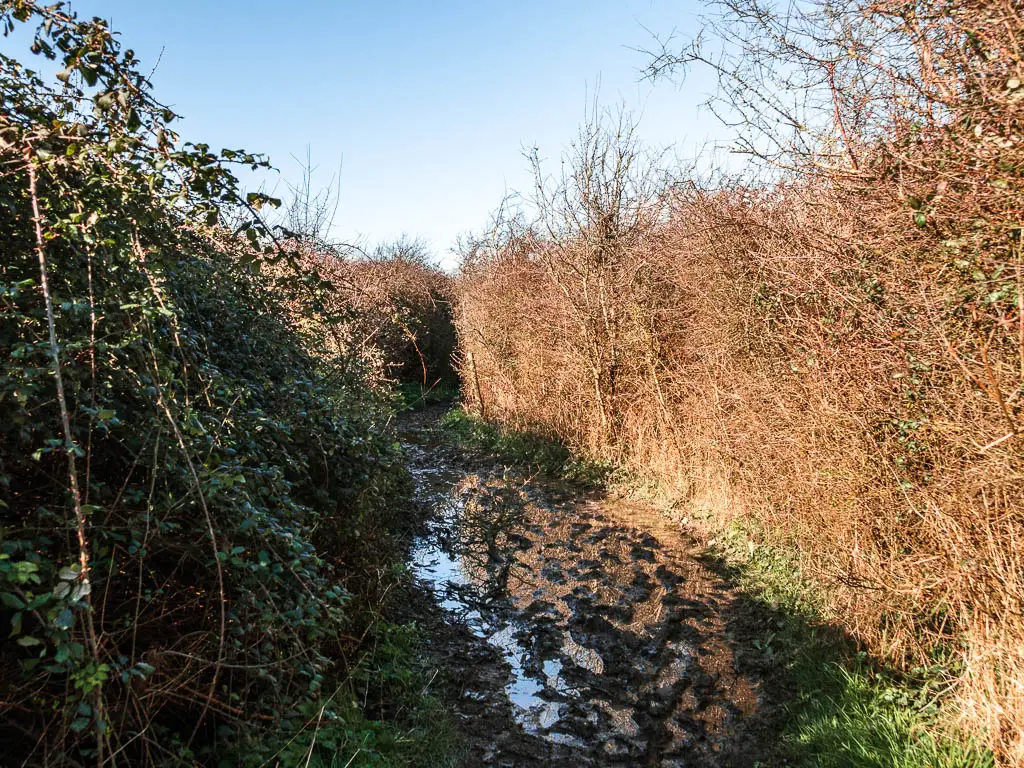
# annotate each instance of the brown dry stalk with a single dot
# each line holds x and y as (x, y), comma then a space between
(222, 601)
(71, 451)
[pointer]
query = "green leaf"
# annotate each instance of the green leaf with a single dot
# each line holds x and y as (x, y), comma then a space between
(28, 641)
(80, 590)
(12, 601)
(65, 619)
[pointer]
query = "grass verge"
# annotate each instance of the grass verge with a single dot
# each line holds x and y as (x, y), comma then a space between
(540, 453)
(845, 709)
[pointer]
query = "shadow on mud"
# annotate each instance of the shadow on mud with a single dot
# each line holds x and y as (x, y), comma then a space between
(597, 632)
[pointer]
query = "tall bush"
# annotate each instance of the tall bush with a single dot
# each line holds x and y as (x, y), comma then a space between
(188, 502)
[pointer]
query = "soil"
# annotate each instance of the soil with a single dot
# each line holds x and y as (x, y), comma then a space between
(573, 629)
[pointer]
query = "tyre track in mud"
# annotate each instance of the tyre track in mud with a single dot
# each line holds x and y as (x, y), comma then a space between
(581, 630)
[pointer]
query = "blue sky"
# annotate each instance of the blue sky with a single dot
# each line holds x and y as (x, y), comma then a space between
(428, 104)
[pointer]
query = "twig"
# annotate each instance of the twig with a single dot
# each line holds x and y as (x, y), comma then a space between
(70, 450)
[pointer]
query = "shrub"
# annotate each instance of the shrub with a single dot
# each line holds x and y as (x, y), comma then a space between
(192, 504)
(836, 350)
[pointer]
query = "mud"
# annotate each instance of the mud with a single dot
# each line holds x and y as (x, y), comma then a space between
(580, 630)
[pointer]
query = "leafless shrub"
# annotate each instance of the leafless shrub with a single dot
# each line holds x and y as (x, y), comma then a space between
(837, 354)
(389, 316)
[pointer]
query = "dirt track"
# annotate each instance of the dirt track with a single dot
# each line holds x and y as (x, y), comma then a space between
(580, 630)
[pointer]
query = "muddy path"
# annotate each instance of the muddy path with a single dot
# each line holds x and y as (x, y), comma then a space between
(579, 630)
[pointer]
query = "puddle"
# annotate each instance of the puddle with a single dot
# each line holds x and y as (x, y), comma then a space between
(454, 585)
(611, 631)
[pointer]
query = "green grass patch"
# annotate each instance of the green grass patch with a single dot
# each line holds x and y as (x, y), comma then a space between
(853, 714)
(845, 710)
(538, 452)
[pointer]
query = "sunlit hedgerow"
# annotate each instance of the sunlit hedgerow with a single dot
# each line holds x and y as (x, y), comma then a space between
(829, 347)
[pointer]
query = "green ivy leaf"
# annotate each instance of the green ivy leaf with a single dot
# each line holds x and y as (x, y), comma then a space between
(12, 601)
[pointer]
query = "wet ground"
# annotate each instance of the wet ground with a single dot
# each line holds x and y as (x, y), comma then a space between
(580, 630)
